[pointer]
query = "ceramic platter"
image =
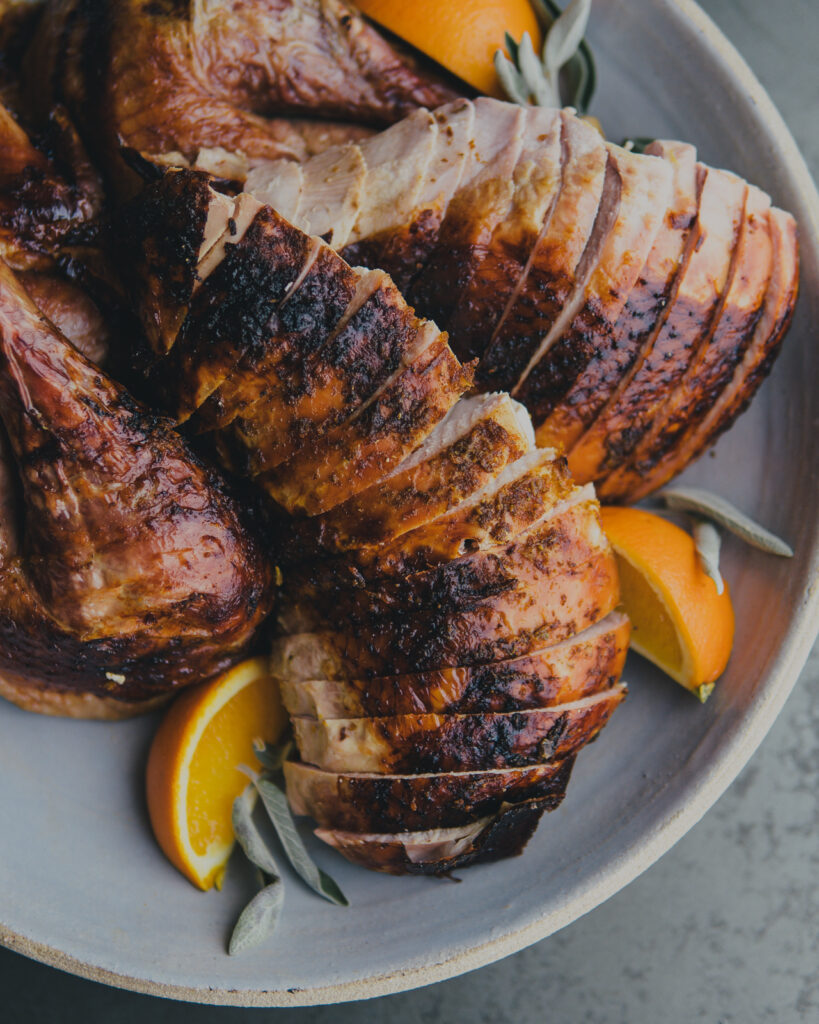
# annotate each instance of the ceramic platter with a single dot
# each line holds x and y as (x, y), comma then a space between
(86, 889)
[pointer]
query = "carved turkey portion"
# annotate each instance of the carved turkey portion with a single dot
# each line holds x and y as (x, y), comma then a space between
(632, 302)
(449, 637)
(126, 570)
(207, 81)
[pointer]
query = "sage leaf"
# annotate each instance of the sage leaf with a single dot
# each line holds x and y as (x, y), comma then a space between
(544, 92)
(276, 805)
(258, 919)
(712, 506)
(707, 541)
(565, 35)
(509, 77)
(512, 47)
(248, 835)
(273, 755)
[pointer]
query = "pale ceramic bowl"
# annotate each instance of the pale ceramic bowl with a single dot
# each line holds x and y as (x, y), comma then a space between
(86, 889)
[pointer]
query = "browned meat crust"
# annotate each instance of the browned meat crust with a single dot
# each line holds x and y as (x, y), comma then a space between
(353, 456)
(420, 493)
(401, 803)
(120, 598)
(505, 835)
(618, 352)
(560, 544)
(559, 674)
(480, 522)
(266, 376)
(450, 743)
(470, 221)
(47, 203)
(780, 301)
(230, 312)
(552, 271)
(163, 77)
(308, 396)
(505, 625)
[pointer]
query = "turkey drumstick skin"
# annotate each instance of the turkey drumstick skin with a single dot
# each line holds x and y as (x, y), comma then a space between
(133, 563)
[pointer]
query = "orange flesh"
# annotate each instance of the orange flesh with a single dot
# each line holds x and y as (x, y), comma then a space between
(215, 780)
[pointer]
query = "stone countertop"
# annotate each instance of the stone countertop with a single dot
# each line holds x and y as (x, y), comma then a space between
(724, 929)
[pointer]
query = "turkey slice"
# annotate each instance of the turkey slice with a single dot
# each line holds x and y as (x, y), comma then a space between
(365, 802)
(432, 743)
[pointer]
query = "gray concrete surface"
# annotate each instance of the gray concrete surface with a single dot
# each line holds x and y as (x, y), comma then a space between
(724, 929)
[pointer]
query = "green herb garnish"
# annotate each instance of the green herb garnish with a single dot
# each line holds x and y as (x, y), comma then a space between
(564, 73)
(261, 915)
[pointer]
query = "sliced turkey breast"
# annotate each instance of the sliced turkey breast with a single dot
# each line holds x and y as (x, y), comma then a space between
(506, 625)
(440, 851)
(554, 546)
(364, 802)
(442, 743)
(630, 413)
(553, 269)
(503, 625)
(265, 378)
(469, 447)
(332, 193)
(378, 436)
(503, 261)
(749, 373)
(575, 668)
(712, 364)
(645, 193)
(394, 182)
(619, 352)
(517, 498)
(169, 229)
(277, 183)
(482, 201)
(304, 393)
(402, 248)
(230, 311)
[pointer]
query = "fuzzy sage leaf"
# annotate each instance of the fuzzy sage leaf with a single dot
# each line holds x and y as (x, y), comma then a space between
(510, 79)
(578, 75)
(712, 506)
(707, 541)
(511, 47)
(276, 805)
(248, 835)
(543, 89)
(258, 919)
(565, 35)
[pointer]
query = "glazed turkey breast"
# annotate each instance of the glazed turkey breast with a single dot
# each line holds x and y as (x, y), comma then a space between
(598, 286)
(447, 613)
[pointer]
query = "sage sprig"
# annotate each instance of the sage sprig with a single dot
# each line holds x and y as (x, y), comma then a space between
(712, 506)
(564, 73)
(707, 542)
(261, 915)
(258, 919)
(278, 809)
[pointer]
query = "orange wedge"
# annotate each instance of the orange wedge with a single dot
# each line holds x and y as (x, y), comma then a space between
(461, 36)
(193, 775)
(679, 621)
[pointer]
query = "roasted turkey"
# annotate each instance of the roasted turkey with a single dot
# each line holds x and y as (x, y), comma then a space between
(633, 302)
(126, 570)
(354, 324)
(448, 630)
(216, 80)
